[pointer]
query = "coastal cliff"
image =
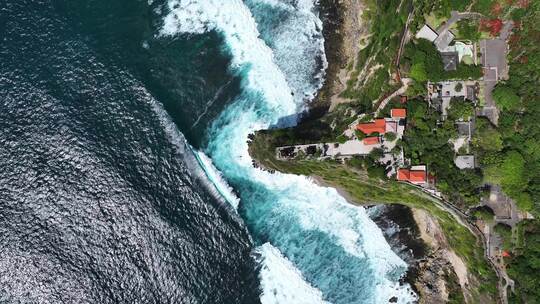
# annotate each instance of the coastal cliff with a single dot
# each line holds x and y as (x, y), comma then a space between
(444, 267)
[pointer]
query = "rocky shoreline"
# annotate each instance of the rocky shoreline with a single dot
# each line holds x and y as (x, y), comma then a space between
(431, 274)
(342, 29)
(414, 236)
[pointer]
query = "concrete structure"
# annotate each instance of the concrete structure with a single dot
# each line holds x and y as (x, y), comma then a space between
(463, 49)
(471, 92)
(375, 126)
(504, 208)
(465, 128)
(465, 162)
(443, 40)
(327, 150)
(440, 94)
(426, 32)
(450, 60)
(495, 65)
(391, 127)
(398, 113)
(371, 140)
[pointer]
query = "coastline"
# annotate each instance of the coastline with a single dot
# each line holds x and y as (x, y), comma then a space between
(342, 27)
(436, 272)
(341, 21)
(419, 241)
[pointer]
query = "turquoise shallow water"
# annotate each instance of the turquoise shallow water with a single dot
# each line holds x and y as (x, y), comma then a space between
(298, 227)
(124, 128)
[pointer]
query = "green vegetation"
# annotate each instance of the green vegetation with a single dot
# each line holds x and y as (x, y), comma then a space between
(381, 48)
(364, 187)
(468, 29)
(483, 6)
(483, 214)
(508, 153)
(460, 109)
(518, 123)
(426, 142)
(390, 136)
(511, 152)
(506, 98)
(425, 63)
(487, 142)
(424, 60)
(359, 134)
(505, 232)
(525, 266)
(342, 139)
(510, 174)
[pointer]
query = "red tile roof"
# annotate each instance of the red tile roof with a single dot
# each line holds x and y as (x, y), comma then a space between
(403, 174)
(413, 176)
(418, 176)
(398, 113)
(377, 126)
(371, 140)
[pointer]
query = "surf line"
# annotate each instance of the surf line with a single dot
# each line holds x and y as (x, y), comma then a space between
(216, 178)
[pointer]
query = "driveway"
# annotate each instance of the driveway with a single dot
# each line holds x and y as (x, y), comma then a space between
(495, 65)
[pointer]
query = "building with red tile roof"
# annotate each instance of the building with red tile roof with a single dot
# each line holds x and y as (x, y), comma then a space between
(412, 176)
(403, 175)
(371, 140)
(417, 177)
(376, 126)
(398, 113)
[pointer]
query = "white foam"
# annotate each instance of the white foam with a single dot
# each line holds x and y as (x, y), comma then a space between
(296, 40)
(217, 179)
(286, 206)
(282, 282)
(206, 173)
(234, 21)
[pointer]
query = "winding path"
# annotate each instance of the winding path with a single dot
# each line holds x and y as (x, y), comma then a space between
(465, 220)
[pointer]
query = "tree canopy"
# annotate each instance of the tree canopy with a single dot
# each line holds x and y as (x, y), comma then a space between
(505, 97)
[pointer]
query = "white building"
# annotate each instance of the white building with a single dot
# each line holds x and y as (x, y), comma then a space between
(426, 32)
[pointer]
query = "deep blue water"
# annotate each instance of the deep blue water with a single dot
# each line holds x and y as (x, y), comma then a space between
(97, 201)
(124, 173)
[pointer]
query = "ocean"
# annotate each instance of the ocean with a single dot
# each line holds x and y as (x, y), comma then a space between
(124, 172)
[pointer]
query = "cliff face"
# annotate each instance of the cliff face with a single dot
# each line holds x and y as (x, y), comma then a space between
(438, 274)
(343, 30)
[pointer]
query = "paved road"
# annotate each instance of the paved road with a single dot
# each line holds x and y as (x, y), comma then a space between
(495, 67)
(455, 16)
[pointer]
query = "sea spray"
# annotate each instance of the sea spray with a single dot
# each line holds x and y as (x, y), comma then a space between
(283, 283)
(332, 244)
(217, 179)
(294, 33)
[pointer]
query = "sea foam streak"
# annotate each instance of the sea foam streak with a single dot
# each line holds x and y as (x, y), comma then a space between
(213, 174)
(284, 283)
(334, 245)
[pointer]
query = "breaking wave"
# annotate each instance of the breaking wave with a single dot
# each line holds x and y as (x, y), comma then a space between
(282, 282)
(315, 235)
